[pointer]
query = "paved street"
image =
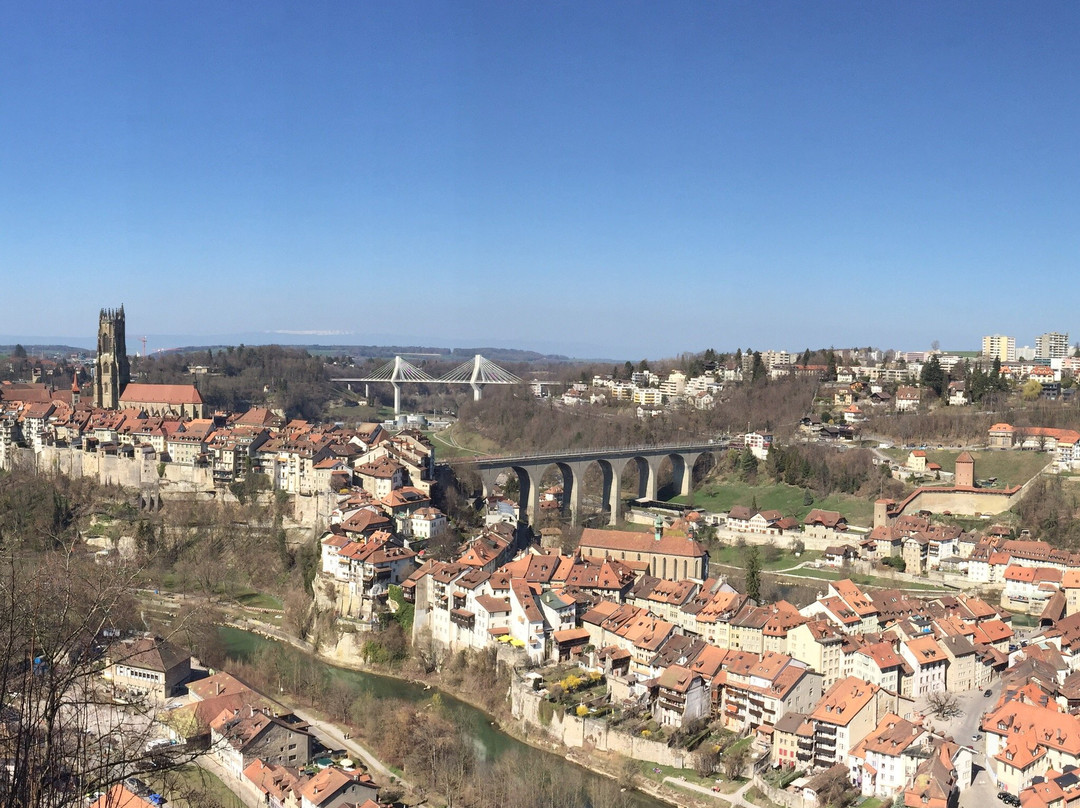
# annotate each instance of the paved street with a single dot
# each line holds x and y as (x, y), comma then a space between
(963, 727)
(983, 792)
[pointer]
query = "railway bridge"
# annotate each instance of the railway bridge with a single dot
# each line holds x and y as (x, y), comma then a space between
(530, 470)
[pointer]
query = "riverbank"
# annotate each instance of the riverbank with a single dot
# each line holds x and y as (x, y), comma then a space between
(651, 793)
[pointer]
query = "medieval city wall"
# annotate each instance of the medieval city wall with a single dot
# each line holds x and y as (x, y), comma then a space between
(588, 733)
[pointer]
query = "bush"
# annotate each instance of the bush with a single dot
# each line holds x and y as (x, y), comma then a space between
(582, 711)
(571, 683)
(546, 712)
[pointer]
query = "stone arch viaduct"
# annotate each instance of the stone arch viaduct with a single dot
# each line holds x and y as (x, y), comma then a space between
(530, 470)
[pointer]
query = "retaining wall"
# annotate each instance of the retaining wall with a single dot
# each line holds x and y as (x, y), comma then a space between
(589, 733)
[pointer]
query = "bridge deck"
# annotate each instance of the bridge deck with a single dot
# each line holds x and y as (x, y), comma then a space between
(584, 454)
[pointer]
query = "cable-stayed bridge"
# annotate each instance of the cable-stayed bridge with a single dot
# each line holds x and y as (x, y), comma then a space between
(476, 372)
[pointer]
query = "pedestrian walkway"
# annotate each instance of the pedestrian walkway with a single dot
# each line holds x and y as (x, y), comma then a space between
(332, 733)
(735, 798)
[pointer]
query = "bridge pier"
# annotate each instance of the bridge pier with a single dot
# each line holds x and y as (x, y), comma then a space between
(648, 470)
(612, 488)
(488, 478)
(573, 478)
(528, 494)
(687, 482)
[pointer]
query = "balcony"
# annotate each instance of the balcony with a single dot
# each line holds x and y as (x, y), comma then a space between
(463, 618)
(672, 695)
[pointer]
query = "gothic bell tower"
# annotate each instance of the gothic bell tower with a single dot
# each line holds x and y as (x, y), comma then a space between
(112, 371)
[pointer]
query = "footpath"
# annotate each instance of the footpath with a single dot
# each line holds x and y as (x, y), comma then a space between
(737, 798)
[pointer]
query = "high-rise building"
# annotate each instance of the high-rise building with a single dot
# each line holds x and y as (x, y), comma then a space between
(111, 369)
(1052, 345)
(999, 347)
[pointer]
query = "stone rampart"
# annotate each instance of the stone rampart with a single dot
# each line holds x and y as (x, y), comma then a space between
(588, 733)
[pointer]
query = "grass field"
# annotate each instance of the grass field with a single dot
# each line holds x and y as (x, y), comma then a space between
(733, 556)
(861, 580)
(460, 442)
(720, 496)
(191, 780)
(1010, 467)
(444, 450)
(259, 600)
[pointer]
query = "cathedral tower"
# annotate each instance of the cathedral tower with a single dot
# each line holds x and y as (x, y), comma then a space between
(112, 371)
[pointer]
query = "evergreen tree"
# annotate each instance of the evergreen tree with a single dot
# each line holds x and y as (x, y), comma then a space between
(830, 366)
(757, 369)
(753, 573)
(932, 376)
(748, 464)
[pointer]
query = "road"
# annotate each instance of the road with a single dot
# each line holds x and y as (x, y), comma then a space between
(965, 726)
(982, 793)
(331, 735)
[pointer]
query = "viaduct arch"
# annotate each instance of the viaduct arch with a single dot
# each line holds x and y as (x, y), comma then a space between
(530, 470)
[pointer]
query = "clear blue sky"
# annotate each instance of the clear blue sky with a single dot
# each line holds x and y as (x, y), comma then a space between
(615, 179)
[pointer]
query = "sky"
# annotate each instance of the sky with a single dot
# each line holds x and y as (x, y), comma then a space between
(616, 179)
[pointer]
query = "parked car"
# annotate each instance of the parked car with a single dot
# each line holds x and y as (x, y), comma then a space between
(988, 693)
(1008, 799)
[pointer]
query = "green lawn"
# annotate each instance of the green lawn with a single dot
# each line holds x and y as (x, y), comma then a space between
(755, 796)
(1010, 467)
(861, 580)
(259, 600)
(185, 786)
(1024, 620)
(733, 556)
(445, 450)
(657, 773)
(788, 499)
(468, 443)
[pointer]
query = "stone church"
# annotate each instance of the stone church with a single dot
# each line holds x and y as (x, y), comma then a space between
(112, 378)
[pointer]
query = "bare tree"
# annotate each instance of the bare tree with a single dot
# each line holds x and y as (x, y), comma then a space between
(299, 612)
(735, 760)
(943, 704)
(62, 732)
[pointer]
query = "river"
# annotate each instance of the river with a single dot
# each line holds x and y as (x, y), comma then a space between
(491, 743)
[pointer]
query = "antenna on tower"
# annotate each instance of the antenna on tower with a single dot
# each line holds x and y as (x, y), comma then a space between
(143, 341)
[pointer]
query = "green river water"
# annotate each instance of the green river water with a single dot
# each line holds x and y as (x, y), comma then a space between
(491, 743)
